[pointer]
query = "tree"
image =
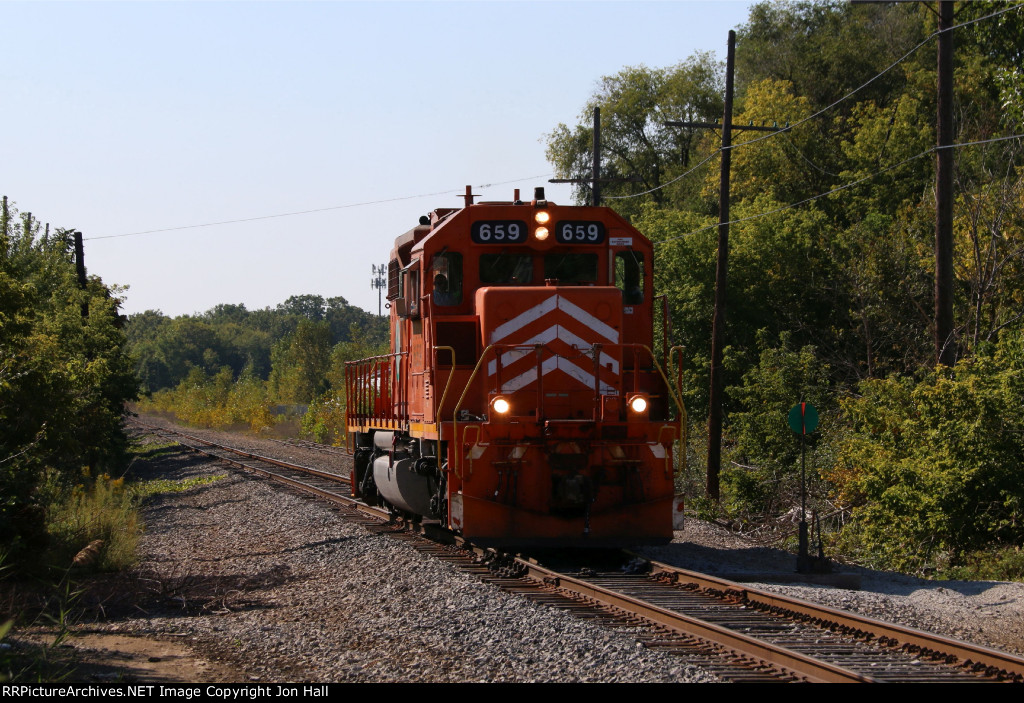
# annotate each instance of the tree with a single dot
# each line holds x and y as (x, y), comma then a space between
(635, 143)
(300, 363)
(64, 377)
(311, 307)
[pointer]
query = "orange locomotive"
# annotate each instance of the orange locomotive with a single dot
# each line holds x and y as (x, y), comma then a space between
(521, 403)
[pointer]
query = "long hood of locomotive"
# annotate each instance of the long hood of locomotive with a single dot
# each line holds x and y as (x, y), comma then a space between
(566, 338)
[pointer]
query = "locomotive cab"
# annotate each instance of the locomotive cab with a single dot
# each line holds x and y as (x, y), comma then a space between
(521, 403)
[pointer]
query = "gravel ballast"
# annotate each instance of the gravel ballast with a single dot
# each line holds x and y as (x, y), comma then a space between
(282, 589)
(277, 587)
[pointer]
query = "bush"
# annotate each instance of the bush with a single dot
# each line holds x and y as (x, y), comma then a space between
(932, 468)
(764, 476)
(216, 401)
(324, 420)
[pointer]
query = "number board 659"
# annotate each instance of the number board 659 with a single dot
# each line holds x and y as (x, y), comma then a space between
(579, 232)
(498, 232)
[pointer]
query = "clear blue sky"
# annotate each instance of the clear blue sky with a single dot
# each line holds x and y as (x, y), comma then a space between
(126, 117)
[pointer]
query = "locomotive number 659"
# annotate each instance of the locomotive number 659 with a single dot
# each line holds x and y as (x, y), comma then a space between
(521, 403)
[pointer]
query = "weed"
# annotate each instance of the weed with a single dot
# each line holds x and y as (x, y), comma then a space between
(146, 489)
(103, 511)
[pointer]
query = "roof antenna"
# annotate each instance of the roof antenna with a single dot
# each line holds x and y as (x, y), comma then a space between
(469, 196)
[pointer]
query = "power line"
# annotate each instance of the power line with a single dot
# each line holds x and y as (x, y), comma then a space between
(712, 155)
(307, 212)
(883, 72)
(824, 109)
(846, 185)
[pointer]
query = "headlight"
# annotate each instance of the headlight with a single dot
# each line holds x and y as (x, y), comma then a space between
(500, 405)
(542, 217)
(638, 404)
(541, 233)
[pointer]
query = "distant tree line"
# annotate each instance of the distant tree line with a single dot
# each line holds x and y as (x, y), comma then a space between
(290, 343)
(229, 364)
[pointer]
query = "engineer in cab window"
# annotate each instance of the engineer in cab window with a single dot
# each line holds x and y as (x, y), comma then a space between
(442, 296)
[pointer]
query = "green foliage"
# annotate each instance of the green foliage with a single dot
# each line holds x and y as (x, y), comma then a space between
(64, 374)
(991, 564)
(147, 489)
(305, 368)
(826, 49)
(230, 335)
(764, 476)
(324, 420)
(216, 401)
(300, 363)
(932, 468)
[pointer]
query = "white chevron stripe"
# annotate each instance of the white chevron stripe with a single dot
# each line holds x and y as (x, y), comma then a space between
(606, 331)
(582, 376)
(549, 335)
(549, 365)
(525, 379)
(543, 308)
(522, 319)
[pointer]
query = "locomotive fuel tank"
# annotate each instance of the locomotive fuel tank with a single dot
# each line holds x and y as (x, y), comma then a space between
(400, 477)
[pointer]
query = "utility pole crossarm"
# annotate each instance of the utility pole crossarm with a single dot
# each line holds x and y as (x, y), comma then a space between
(595, 179)
(718, 125)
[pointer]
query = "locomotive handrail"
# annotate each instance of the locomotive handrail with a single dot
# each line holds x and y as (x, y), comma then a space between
(455, 412)
(676, 397)
(465, 435)
(684, 419)
(448, 383)
(678, 369)
(371, 383)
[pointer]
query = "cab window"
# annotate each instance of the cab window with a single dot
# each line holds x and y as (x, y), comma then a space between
(571, 269)
(446, 277)
(629, 276)
(412, 293)
(506, 269)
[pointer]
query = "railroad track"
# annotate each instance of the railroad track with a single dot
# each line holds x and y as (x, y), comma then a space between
(308, 444)
(739, 633)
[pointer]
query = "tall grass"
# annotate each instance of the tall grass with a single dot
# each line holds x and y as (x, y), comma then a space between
(102, 510)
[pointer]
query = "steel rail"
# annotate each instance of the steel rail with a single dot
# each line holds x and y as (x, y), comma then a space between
(954, 651)
(346, 500)
(802, 666)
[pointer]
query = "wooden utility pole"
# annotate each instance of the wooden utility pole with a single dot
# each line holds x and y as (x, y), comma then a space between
(595, 179)
(721, 270)
(80, 270)
(5, 219)
(945, 343)
(596, 168)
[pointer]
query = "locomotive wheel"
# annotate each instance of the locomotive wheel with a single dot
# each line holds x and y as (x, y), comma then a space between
(360, 467)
